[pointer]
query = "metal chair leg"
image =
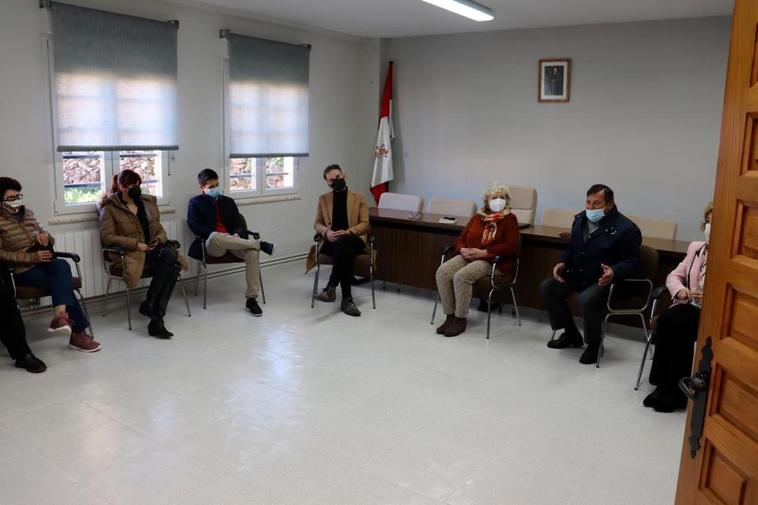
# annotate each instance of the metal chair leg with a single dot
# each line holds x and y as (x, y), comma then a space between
(434, 310)
(205, 287)
(184, 292)
(107, 293)
(263, 291)
(315, 285)
(648, 338)
(128, 309)
(373, 294)
(86, 312)
(515, 307)
(197, 277)
(489, 311)
(601, 349)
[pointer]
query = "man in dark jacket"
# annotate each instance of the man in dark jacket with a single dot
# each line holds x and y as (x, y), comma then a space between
(215, 219)
(604, 248)
(12, 332)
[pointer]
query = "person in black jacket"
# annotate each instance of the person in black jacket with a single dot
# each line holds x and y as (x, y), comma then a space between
(12, 331)
(215, 219)
(604, 248)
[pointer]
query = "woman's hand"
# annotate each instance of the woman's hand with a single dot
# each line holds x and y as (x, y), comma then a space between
(43, 239)
(141, 246)
(470, 253)
(683, 294)
(42, 257)
(696, 297)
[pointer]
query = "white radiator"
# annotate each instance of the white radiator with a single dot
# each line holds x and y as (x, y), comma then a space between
(86, 243)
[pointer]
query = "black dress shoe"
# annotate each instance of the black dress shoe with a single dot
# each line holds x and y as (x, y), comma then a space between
(566, 340)
(651, 399)
(253, 307)
(590, 354)
(157, 329)
(31, 363)
(268, 247)
(670, 401)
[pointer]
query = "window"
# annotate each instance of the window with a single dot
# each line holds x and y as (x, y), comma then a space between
(87, 174)
(266, 114)
(273, 175)
(113, 96)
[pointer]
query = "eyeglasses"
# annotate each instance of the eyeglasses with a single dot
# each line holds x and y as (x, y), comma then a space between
(16, 197)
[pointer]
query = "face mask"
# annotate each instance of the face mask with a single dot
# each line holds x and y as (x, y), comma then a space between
(595, 215)
(338, 185)
(497, 204)
(13, 205)
(214, 192)
(707, 232)
(134, 193)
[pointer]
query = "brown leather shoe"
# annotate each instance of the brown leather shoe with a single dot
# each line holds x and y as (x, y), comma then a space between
(457, 327)
(329, 294)
(444, 326)
(83, 342)
(348, 307)
(60, 326)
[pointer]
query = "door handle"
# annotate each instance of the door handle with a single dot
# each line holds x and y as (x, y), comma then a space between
(691, 386)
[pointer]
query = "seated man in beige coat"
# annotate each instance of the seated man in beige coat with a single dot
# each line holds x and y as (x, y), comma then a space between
(342, 219)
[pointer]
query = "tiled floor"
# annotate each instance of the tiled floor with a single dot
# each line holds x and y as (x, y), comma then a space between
(313, 407)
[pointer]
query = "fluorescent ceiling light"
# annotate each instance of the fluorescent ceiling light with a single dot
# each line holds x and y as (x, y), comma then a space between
(466, 8)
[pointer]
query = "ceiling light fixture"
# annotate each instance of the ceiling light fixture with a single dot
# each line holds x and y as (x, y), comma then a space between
(466, 8)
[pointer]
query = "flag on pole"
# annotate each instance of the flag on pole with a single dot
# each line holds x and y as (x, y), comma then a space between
(382, 174)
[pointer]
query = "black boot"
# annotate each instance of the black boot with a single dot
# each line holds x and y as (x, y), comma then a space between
(156, 328)
(31, 363)
(566, 340)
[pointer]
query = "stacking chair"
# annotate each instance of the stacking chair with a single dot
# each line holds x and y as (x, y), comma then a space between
(655, 300)
(560, 218)
(451, 207)
(523, 204)
(399, 201)
(32, 293)
(204, 260)
(365, 265)
(494, 286)
(115, 270)
(655, 228)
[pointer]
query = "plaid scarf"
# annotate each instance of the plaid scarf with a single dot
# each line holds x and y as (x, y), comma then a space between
(490, 224)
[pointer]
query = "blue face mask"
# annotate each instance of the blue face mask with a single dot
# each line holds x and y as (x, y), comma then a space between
(214, 192)
(595, 215)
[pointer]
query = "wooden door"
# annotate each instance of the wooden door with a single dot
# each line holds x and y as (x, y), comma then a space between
(724, 469)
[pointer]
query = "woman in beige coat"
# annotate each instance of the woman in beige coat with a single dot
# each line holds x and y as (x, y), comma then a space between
(131, 220)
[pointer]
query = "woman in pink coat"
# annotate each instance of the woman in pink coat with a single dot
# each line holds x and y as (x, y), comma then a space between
(676, 329)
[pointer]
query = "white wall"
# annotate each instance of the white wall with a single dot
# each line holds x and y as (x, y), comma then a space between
(644, 116)
(343, 98)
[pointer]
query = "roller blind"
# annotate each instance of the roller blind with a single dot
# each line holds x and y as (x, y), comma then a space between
(114, 81)
(267, 94)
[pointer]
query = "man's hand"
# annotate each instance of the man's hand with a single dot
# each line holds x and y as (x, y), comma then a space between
(683, 294)
(558, 270)
(43, 239)
(42, 256)
(141, 246)
(607, 276)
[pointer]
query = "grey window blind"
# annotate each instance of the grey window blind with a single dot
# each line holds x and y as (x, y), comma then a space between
(114, 80)
(267, 97)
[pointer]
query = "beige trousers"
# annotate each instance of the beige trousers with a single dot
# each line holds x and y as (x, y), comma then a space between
(249, 250)
(455, 280)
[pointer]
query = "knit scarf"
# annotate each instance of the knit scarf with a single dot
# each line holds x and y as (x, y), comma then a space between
(490, 224)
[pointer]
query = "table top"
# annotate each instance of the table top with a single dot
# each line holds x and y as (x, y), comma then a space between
(545, 233)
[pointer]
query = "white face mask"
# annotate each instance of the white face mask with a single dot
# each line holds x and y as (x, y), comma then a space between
(14, 204)
(707, 232)
(497, 204)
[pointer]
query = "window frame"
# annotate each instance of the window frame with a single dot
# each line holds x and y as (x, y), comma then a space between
(260, 192)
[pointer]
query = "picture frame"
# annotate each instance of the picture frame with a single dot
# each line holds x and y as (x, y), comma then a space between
(554, 80)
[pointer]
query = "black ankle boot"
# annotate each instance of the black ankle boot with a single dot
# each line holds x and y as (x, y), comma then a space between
(157, 329)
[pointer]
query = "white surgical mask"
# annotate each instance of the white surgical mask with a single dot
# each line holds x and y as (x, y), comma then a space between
(707, 232)
(14, 204)
(595, 215)
(497, 204)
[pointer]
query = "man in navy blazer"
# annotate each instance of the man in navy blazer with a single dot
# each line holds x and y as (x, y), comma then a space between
(604, 248)
(216, 221)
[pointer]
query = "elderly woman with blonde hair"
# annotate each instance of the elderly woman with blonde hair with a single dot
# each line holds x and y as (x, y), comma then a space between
(492, 231)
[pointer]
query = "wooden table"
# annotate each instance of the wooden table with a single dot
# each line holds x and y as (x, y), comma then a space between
(408, 251)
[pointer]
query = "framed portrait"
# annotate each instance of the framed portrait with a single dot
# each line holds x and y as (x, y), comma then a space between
(554, 83)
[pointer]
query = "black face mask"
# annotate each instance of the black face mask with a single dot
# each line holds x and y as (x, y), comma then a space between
(135, 192)
(338, 185)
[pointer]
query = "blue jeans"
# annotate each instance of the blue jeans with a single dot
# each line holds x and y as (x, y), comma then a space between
(55, 277)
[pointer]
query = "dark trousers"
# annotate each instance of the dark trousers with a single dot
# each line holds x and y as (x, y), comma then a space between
(343, 252)
(674, 338)
(592, 300)
(161, 263)
(55, 277)
(12, 332)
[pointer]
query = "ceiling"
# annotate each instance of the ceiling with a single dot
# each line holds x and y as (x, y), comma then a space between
(403, 18)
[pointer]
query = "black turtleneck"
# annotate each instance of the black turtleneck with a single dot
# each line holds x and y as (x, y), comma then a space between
(339, 211)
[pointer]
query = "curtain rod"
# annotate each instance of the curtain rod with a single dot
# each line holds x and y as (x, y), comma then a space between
(224, 34)
(46, 4)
